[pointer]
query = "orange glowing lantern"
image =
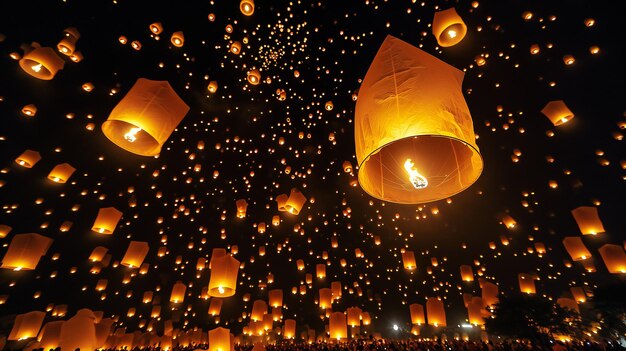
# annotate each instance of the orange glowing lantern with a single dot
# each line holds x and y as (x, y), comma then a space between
(28, 158)
(26, 325)
(295, 202)
(614, 258)
(289, 329)
(219, 340)
(417, 314)
(435, 312)
(337, 326)
(79, 332)
(61, 173)
(247, 7)
(527, 283)
(467, 274)
(144, 119)
(135, 254)
(42, 63)
(223, 281)
(107, 220)
(178, 292)
(426, 149)
(275, 297)
(408, 259)
(67, 45)
(25, 250)
(576, 248)
(557, 112)
(156, 28)
(254, 77)
(489, 293)
(588, 220)
(448, 27)
(178, 39)
(259, 309)
(326, 298)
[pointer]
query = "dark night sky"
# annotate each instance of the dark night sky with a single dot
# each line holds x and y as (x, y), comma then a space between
(331, 44)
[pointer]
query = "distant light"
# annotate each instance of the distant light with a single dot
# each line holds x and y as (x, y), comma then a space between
(395, 327)
(466, 326)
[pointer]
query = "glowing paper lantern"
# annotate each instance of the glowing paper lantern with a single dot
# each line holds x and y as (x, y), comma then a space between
(223, 282)
(178, 39)
(79, 332)
(42, 63)
(413, 131)
(25, 250)
(354, 316)
(579, 294)
(212, 87)
(448, 27)
(466, 273)
(235, 47)
(489, 294)
(29, 110)
(178, 292)
(28, 158)
(254, 77)
(435, 312)
(156, 28)
(527, 283)
(614, 258)
(557, 112)
(135, 254)
(219, 340)
(259, 309)
(474, 311)
(242, 206)
(275, 297)
(107, 220)
(365, 318)
(4, 230)
(67, 45)
(326, 298)
(576, 248)
(588, 220)
(26, 325)
(61, 173)
(417, 314)
(568, 303)
(50, 335)
(295, 202)
(337, 326)
(408, 259)
(289, 329)
(144, 119)
(336, 289)
(320, 271)
(215, 307)
(247, 7)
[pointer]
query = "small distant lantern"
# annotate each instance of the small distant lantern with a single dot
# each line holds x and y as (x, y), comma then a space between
(178, 39)
(223, 281)
(29, 110)
(212, 87)
(242, 206)
(76, 56)
(254, 77)
(67, 45)
(588, 220)
(61, 173)
(88, 87)
(28, 158)
(135, 254)
(557, 112)
(247, 7)
(329, 106)
(235, 48)
(144, 119)
(426, 149)
(480, 61)
(136, 44)
(534, 49)
(448, 27)
(156, 28)
(569, 59)
(107, 220)
(4, 230)
(408, 259)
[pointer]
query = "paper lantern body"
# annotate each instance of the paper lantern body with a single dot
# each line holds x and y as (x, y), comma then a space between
(417, 314)
(568, 303)
(215, 307)
(50, 335)
(448, 27)
(614, 258)
(354, 316)
(275, 297)
(414, 136)
(289, 330)
(408, 259)
(326, 298)
(25, 250)
(320, 270)
(435, 312)
(527, 283)
(295, 202)
(467, 274)
(156, 28)
(557, 112)
(144, 119)
(178, 39)
(28, 158)
(474, 311)
(135, 254)
(107, 220)
(247, 7)
(223, 280)
(26, 325)
(79, 332)
(489, 294)
(178, 292)
(337, 326)
(576, 248)
(61, 173)
(579, 294)
(588, 220)
(42, 63)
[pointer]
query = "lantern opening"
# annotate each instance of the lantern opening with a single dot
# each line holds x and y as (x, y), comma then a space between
(416, 179)
(131, 137)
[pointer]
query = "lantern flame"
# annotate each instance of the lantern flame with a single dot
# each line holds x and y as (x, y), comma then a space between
(452, 34)
(417, 180)
(37, 68)
(220, 289)
(131, 135)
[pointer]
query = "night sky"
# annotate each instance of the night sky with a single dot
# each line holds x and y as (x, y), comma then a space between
(331, 45)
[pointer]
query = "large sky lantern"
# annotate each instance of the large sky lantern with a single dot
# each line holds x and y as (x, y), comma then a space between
(246, 7)
(588, 220)
(107, 220)
(489, 294)
(61, 173)
(435, 312)
(289, 329)
(467, 275)
(474, 311)
(448, 27)
(408, 260)
(25, 251)
(50, 334)
(414, 136)
(275, 297)
(28, 158)
(223, 282)
(26, 325)
(576, 248)
(337, 326)
(79, 331)
(557, 112)
(614, 258)
(354, 316)
(135, 254)
(417, 314)
(41, 62)
(527, 283)
(579, 294)
(145, 118)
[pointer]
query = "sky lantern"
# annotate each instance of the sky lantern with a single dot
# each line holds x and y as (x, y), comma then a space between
(25, 250)
(448, 27)
(326, 298)
(144, 119)
(254, 77)
(242, 206)
(50, 335)
(223, 282)
(417, 314)
(41, 62)
(588, 220)
(295, 201)
(435, 312)
(275, 297)
(4, 230)
(320, 271)
(135, 254)
(79, 331)
(107, 220)
(366, 319)
(614, 258)
(215, 306)
(336, 289)
(178, 39)
(474, 311)
(67, 45)
(212, 87)
(527, 283)
(425, 149)
(354, 316)
(579, 294)
(235, 47)
(29, 110)
(408, 259)
(26, 325)
(489, 293)
(259, 309)
(337, 326)
(289, 329)
(467, 275)
(178, 292)
(61, 173)
(576, 248)
(28, 158)
(216, 253)
(156, 27)
(247, 7)
(568, 303)
(219, 340)
(557, 112)
(281, 201)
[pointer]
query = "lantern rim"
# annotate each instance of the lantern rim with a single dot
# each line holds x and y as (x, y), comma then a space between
(44, 73)
(472, 148)
(445, 41)
(146, 145)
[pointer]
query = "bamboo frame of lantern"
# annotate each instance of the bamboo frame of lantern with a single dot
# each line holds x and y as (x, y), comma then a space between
(145, 118)
(414, 136)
